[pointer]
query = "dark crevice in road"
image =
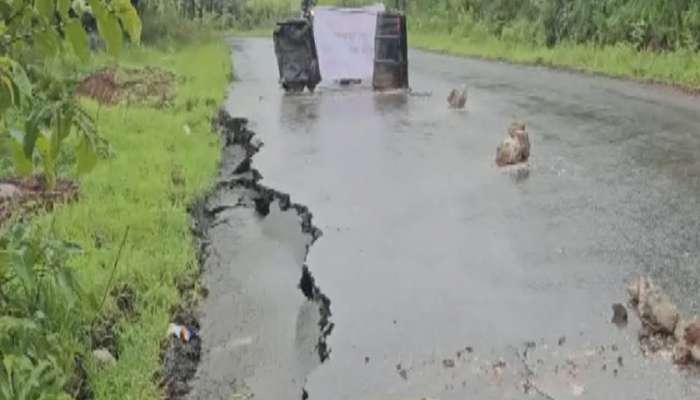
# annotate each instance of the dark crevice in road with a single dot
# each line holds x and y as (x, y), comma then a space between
(240, 181)
(307, 284)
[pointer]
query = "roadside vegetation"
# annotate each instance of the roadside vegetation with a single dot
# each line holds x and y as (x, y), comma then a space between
(653, 40)
(105, 140)
(164, 157)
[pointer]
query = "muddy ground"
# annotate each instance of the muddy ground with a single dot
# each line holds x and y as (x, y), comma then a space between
(448, 278)
(150, 86)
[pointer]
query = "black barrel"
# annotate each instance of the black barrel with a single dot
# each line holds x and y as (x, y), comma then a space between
(295, 49)
(390, 52)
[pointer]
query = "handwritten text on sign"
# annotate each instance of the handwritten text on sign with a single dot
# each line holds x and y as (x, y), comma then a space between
(345, 41)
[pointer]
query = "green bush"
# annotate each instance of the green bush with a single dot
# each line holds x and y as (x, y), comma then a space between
(691, 25)
(255, 13)
(168, 28)
(523, 30)
(5, 155)
(170, 22)
(651, 24)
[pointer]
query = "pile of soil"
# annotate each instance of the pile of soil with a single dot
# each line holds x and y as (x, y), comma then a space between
(150, 86)
(24, 195)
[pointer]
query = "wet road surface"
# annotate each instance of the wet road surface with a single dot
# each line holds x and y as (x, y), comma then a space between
(448, 278)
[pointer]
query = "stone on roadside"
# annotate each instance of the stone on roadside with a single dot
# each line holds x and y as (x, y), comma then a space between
(518, 131)
(457, 98)
(633, 289)
(508, 152)
(687, 347)
(662, 326)
(695, 354)
(662, 314)
(515, 148)
(692, 331)
(639, 289)
(679, 332)
(655, 309)
(104, 358)
(681, 354)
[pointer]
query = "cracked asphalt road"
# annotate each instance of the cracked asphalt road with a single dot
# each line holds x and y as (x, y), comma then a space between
(443, 270)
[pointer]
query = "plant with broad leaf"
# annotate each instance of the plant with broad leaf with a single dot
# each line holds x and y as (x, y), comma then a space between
(30, 367)
(40, 40)
(35, 278)
(38, 299)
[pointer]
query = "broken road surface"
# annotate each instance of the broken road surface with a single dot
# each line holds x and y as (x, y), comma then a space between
(448, 278)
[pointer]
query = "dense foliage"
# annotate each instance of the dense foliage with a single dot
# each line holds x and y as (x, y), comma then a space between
(172, 19)
(42, 45)
(236, 14)
(650, 24)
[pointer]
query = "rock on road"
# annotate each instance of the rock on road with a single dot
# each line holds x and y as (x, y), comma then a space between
(448, 278)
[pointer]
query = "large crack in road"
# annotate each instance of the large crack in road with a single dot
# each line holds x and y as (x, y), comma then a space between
(449, 280)
(256, 284)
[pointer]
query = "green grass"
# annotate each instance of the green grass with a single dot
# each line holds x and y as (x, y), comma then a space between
(5, 164)
(135, 190)
(680, 67)
(263, 31)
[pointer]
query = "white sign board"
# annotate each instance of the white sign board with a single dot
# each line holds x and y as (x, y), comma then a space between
(345, 41)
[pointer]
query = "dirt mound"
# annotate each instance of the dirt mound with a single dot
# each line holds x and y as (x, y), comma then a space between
(151, 86)
(25, 195)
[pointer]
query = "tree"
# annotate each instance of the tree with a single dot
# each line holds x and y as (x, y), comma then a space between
(39, 40)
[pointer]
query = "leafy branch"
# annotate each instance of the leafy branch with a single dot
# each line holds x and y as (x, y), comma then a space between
(39, 106)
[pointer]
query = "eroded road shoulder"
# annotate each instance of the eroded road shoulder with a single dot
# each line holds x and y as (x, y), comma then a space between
(264, 321)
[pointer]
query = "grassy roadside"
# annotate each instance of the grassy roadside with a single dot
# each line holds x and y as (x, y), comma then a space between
(678, 68)
(163, 159)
